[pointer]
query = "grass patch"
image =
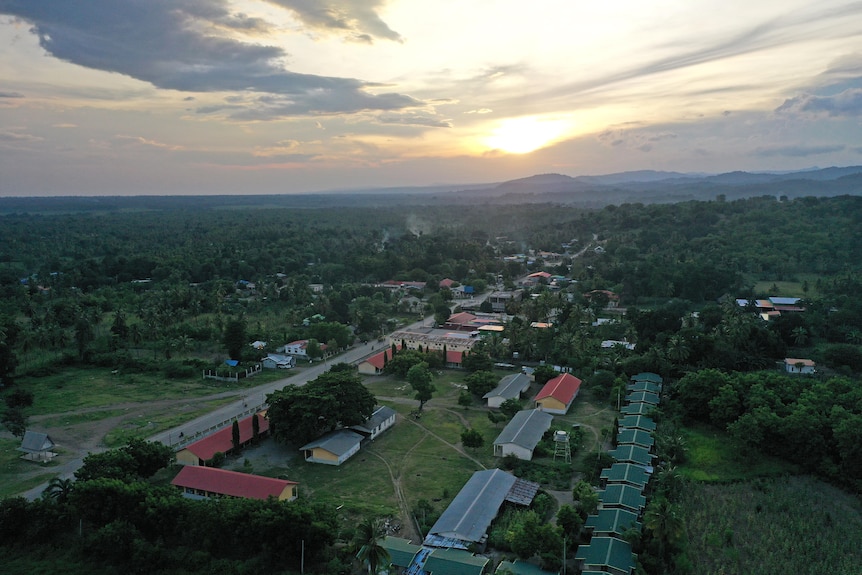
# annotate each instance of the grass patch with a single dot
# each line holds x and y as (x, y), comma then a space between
(795, 524)
(78, 418)
(17, 475)
(148, 424)
(712, 457)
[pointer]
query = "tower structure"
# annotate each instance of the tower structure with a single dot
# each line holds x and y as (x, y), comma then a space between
(561, 446)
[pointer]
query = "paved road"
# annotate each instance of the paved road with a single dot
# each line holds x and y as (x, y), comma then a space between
(251, 401)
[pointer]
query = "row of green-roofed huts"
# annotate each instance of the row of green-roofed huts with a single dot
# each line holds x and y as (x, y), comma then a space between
(621, 497)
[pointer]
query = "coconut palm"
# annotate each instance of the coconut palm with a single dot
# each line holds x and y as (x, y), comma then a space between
(368, 548)
(58, 489)
(662, 521)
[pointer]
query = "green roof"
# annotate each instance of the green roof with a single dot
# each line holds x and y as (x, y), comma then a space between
(644, 386)
(521, 568)
(637, 409)
(401, 551)
(647, 376)
(643, 397)
(632, 454)
(635, 437)
(626, 473)
(638, 422)
(614, 521)
(454, 562)
(625, 496)
(607, 552)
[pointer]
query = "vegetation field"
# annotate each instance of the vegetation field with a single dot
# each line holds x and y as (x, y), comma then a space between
(772, 526)
(711, 456)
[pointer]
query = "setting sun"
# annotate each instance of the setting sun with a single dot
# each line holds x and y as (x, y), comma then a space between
(524, 135)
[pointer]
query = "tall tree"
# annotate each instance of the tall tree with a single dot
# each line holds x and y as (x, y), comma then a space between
(234, 338)
(419, 377)
(367, 545)
(234, 436)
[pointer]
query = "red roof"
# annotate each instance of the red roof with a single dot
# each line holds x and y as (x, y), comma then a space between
(462, 318)
(563, 388)
(454, 356)
(377, 359)
(794, 361)
(221, 439)
(446, 283)
(231, 483)
(545, 275)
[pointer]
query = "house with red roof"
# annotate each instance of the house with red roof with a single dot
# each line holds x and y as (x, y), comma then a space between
(558, 394)
(797, 365)
(204, 482)
(454, 359)
(447, 283)
(203, 450)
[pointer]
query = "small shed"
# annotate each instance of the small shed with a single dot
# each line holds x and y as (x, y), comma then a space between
(522, 434)
(796, 365)
(509, 387)
(382, 419)
(37, 446)
(278, 361)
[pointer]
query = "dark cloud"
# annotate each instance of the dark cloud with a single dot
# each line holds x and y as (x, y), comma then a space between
(11, 95)
(798, 151)
(846, 103)
(356, 19)
(173, 44)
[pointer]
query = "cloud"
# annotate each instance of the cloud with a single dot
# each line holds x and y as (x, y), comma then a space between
(634, 139)
(316, 102)
(11, 95)
(414, 120)
(357, 20)
(798, 151)
(846, 103)
(136, 141)
(182, 45)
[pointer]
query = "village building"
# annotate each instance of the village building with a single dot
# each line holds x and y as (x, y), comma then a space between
(637, 422)
(499, 300)
(277, 361)
(202, 451)
(451, 341)
(608, 555)
(558, 394)
(611, 522)
(299, 348)
(625, 474)
(621, 496)
(643, 397)
(510, 387)
(334, 448)
(382, 419)
(522, 434)
(37, 446)
(803, 366)
(632, 454)
(206, 482)
(637, 437)
(465, 522)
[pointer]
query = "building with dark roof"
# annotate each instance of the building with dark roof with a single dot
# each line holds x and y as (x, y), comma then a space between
(509, 387)
(611, 522)
(626, 474)
(628, 436)
(37, 446)
(606, 555)
(471, 512)
(522, 434)
(620, 496)
(643, 397)
(637, 422)
(632, 454)
(382, 419)
(334, 448)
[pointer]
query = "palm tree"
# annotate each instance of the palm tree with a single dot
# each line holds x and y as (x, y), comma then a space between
(662, 521)
(368, 548)
(800, 335)
(58, 489)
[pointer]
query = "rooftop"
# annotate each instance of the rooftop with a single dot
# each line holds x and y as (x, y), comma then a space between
(231, 483)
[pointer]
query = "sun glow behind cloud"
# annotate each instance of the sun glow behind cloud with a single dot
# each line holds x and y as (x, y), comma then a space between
(526, 134)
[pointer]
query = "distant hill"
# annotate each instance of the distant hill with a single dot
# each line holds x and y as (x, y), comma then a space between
(644, 186)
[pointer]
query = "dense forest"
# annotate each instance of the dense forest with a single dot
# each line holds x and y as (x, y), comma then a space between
(174, 291)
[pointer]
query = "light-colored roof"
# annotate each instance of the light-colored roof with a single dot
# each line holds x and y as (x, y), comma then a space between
(474, 508)
(337, 442)
(526, 428)
(230, 483)
(563, 388)
(380, 415)
(510, 386)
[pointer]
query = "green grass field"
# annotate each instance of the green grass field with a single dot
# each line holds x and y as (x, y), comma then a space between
(711, 457)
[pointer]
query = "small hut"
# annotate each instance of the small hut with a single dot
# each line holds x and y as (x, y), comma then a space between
(37, 446)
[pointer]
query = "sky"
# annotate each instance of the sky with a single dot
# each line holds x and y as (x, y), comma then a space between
(140, 97)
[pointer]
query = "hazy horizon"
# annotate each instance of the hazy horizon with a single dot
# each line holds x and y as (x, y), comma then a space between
(228, 97)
